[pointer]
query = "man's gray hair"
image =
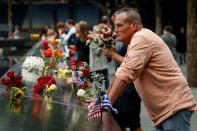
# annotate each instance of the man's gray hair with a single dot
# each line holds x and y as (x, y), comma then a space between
(132, 14)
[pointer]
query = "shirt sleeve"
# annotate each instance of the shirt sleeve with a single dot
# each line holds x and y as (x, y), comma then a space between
(72, 31)
(138, 54)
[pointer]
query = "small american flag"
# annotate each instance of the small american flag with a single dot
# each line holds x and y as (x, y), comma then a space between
(79, 78)
(95, 111)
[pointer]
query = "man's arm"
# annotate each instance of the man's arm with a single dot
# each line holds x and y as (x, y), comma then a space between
(116, 87)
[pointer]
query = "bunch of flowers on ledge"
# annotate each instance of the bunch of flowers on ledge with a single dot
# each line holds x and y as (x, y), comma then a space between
(64, 73)
(84, 84)
(46, 85)
(15, 86)
(32, 68)
(51, 56)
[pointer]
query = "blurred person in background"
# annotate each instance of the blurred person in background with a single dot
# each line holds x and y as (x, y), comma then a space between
(170, 39)
(82, 31)
(181, 45)
(60, 29)
(70, 35)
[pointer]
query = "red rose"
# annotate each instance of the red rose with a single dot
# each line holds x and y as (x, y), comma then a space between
(86, 72)
(104, 35)
(5, 81)
(109, 34)
(12, 82)
(41, 80)
(19, 84)
(106, 28)
(18, 78)
(114, 35)
(47, 52)
(52, 81)
(10, 74)
(48, 78)
(38, 88)
(79, 63)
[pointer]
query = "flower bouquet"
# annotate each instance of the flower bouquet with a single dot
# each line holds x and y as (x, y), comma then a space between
(45, 86)
(84, 84)
(101, 35)
(14, 85)
(51, 57)
(32, 68)
(64, 73)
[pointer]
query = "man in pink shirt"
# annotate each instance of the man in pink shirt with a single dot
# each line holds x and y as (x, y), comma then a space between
(157, 77)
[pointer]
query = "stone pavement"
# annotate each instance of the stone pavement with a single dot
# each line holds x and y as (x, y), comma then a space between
(146, 123)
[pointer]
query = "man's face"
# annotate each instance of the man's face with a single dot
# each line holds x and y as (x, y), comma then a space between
(123, 28)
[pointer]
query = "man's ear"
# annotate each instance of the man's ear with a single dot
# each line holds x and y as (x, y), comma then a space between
(134, 25)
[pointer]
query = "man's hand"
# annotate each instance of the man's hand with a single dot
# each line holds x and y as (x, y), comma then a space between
(107, 52)
(91, 102)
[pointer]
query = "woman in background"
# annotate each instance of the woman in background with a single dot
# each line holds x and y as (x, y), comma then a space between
(82, 31)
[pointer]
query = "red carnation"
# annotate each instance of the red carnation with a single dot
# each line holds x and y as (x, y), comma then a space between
(86, 72)
(5, 81)
(47, 52)
(84, 86)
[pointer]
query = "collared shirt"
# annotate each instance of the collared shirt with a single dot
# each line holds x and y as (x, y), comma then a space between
(156, 75)
(70, 32)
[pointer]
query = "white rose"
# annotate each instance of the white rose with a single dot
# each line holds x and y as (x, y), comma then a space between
(80, 92)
